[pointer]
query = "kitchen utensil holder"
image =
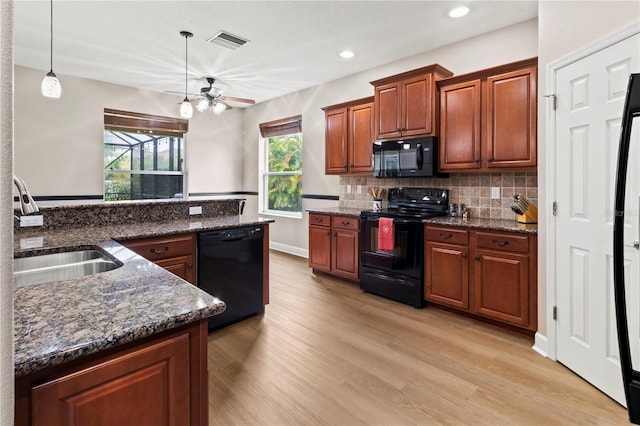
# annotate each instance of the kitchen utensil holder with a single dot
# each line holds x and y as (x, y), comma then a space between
(529, 216)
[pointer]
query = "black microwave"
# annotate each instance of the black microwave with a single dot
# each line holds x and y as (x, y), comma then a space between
(406, 158)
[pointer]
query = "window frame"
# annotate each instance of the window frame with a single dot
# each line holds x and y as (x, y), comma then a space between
(133, 122)
(282, 127)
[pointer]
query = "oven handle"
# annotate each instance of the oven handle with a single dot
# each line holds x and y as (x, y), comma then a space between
(375, 219)
(396, 280)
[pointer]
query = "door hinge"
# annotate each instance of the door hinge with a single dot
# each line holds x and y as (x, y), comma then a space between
(554, 102)
(555, 208)
(555, 313)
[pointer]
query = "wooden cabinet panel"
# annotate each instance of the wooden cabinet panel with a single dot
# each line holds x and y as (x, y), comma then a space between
(502, 241)
(360, 141)
(336, 248)
(512, 119)
(489, 119)
(336, 141)
(320, 248)
(175, 253)
(502, 286)
(447, 235)
(405, 104)
(447, 274)
(349, 137)
(460, 126)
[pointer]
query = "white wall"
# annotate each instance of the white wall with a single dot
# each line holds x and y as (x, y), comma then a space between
(563, 27)
(506, 45)
(6, 218)
(58, 142)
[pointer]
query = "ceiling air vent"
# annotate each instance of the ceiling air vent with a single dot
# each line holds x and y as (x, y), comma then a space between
(227, 39)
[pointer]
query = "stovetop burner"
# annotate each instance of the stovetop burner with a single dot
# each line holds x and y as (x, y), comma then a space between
(417, 203)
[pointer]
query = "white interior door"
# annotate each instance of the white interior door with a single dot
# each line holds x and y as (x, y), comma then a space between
(590, 98)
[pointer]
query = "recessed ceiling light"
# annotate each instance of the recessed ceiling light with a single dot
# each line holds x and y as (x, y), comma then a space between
(459, 12)
(347, 54)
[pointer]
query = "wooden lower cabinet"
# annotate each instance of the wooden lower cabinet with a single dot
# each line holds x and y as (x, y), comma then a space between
(491, 274)
(334, 245)
(175, 253)
(161, 381)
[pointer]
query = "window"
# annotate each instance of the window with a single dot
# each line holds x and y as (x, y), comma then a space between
(281, 186)
(143, 157)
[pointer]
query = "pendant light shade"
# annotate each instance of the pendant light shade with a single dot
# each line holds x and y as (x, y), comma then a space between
(186, 109)
(50, 85)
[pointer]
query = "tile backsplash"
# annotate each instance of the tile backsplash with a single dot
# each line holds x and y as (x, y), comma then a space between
(472, 190)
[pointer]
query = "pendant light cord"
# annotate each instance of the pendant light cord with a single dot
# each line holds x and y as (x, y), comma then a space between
(51, 39)
(186, 58)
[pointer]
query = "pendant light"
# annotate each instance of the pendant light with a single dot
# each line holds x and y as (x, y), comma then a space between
(50, 85)
(186, 109)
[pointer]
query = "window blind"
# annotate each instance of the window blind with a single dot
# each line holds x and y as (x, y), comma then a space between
(281, 127)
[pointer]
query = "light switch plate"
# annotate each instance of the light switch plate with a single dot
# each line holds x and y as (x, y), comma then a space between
(348, 189)
(35, 220)
(359, 189)
(195, 210)
(495, 192)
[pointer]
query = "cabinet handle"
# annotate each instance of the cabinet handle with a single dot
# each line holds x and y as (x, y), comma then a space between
(477, 258)
(500, 243)
(328, 233)
(318, 220)
(344, 223)
(189, 266)
(477, 160)
(489, 158)
(464, 255)
(162, 250)
(445, 236)
(335, 234)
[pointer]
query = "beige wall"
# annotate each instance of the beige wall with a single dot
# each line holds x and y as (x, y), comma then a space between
(58, 142)
(564, 27)
(506, 45)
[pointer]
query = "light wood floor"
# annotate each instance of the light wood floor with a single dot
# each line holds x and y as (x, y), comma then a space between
(327, 353)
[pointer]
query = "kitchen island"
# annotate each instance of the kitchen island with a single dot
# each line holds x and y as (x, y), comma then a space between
(92, 337)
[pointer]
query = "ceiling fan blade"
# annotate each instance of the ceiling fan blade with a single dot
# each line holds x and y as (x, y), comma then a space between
(242, 100)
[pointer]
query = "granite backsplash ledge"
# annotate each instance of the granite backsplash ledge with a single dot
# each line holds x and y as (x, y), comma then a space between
(92, 215)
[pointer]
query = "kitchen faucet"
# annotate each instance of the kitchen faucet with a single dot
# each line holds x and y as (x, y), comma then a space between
(27, 205)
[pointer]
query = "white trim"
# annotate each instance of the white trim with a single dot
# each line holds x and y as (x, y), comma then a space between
(286, 248)
(548, 344)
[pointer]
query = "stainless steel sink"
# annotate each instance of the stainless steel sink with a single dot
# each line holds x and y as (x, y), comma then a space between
(60, 266)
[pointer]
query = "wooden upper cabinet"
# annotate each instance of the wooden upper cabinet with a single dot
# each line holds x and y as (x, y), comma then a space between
(512, 119)
(349, 137)
(405, 105)
(460, 126)
(488, 119)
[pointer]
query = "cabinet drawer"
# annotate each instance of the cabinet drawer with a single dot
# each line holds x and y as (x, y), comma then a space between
(447, 235)
(319, 219)
(163, 247)
(501, 241)
(344, 222)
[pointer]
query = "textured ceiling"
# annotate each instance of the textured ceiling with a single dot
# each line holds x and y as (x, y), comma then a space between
(293, 44)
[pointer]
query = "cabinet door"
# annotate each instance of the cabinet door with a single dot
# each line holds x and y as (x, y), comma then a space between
(460, 126)
(447, 274)
(501, 284)
(417, 109)
(320, 248)
(149, 386)
(344, 257)
(182, 266)
(360, 139)
(336, 141)
(387, 111)
(511, 119)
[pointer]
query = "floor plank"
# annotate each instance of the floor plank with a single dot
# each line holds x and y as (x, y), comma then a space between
(325, 353)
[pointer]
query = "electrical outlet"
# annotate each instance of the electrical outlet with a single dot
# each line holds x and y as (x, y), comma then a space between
(359, 189)
(348, 189)
(495, 192)
(195, 210)
(35, 220)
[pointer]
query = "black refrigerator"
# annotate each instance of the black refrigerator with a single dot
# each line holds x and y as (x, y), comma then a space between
(630, 377)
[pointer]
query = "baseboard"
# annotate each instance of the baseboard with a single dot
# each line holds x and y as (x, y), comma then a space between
(285, 248)
(541, 345)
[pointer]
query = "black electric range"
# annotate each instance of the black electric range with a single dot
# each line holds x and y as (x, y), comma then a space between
(398, 274)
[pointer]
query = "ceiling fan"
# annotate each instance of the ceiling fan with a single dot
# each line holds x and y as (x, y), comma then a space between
(212, 98)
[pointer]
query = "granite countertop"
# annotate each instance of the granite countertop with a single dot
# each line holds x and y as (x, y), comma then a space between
(64, 320)
(343, 211)
(484, 223)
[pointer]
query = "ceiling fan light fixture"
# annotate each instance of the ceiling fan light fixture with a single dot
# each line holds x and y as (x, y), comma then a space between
(219, 107)
(186, 109)
(50, 85)
(458, 12)
(202, 105)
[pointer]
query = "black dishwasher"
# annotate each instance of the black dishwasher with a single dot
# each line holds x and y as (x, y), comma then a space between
(230, 268)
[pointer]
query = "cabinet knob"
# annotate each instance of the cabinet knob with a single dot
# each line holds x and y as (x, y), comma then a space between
(189, 265)
(477, 160)
(489, 158)
(162, 250)
(464, 255)
(477, 258)
(335, 234)
(328, 233)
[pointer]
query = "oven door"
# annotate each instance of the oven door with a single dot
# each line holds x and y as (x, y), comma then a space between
(406, 257)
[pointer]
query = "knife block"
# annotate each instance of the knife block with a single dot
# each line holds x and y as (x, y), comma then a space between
(529, 216)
